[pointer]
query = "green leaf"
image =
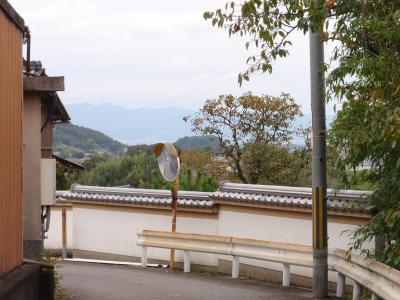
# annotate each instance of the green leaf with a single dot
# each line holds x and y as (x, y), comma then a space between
(208, 15)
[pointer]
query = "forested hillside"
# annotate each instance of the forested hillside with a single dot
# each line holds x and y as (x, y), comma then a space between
(74, 141)
(208, 142)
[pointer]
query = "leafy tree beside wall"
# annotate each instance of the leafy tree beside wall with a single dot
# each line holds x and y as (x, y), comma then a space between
(252, 130)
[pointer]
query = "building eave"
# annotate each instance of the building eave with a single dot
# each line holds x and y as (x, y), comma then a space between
(43, 84)
(67, 162)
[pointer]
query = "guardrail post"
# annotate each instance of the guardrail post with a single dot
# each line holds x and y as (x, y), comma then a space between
(357, 288)
(186, 261)
(340, 284)
(235, 266)
(286, 275)
(144, 256)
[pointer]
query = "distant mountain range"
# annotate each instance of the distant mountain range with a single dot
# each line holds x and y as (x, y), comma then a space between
(132, 126)
(72, 141)
(142, 125)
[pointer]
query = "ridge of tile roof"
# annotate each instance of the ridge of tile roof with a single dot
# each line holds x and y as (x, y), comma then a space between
(235, 193)
(300, 197)
(36, 68)
(127, 195)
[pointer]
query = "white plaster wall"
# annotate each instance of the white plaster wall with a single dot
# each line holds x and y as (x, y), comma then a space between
(112, 231)
(54, 236)
(279, 229)
(202, 226)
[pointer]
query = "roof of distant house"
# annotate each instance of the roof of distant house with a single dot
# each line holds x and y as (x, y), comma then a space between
(68, 162)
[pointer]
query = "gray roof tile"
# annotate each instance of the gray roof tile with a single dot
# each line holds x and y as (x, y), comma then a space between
(282, 196)
(349, 201)
(134, 196)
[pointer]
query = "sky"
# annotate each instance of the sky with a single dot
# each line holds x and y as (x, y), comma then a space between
(152, 53)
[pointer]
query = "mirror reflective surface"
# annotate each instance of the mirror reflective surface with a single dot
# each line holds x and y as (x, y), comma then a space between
(168, 162)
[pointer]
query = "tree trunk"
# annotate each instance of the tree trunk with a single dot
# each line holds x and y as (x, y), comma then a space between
(240, 172)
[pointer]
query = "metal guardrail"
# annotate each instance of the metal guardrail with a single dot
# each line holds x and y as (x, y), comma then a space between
(380, 279)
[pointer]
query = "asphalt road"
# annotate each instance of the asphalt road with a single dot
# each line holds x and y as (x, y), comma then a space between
(90, 281)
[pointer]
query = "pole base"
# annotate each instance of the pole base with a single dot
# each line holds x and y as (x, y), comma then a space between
(320, 273)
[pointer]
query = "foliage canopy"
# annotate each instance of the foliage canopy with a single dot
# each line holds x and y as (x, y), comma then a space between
(139, 168)
(247, 128)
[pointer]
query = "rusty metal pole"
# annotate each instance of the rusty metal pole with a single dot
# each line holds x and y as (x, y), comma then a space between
(174, 205)
(64, 233)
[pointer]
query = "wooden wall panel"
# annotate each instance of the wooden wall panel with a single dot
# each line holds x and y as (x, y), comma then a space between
(11, 99)
(47, 133)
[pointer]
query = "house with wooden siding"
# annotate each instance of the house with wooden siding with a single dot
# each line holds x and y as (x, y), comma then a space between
(29, 108)
(11, 100)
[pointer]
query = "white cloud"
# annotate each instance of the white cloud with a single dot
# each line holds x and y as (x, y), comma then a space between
(229, 76)
(150, 53)
(201, 77)
(174, 63)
